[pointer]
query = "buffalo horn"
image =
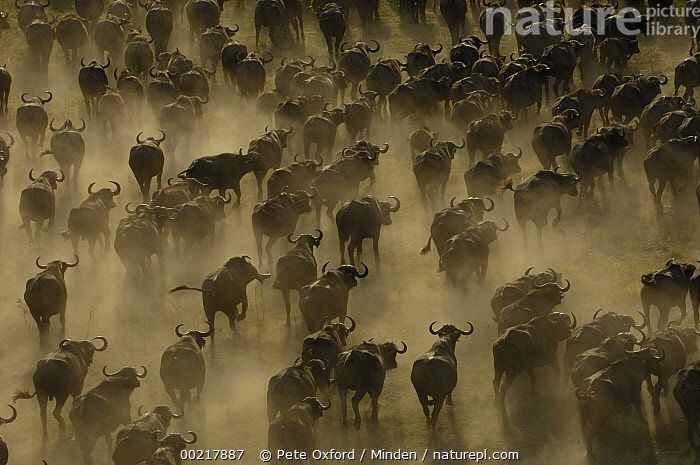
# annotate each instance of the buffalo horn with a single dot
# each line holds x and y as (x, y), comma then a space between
(430, 328)
(206, 333)
(469, 331)
(177, 330)
(104, 343)
(644, 324)
(354, 325)
(398, 204)
(73, 265)
(118, 187)
(364, 273)
(12, 417)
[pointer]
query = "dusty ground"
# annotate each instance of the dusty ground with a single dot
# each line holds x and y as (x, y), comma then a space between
(602, 251)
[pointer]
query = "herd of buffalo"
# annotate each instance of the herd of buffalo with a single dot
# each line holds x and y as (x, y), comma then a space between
(324, 139)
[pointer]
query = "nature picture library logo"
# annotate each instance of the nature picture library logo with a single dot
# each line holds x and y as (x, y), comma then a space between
(552, 18)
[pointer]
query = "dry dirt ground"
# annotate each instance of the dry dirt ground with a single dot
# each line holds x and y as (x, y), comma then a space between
(602, 251)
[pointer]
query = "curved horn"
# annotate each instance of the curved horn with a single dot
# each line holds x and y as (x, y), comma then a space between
(527, 272)
(193, 435)
(24, 100)
(402, 351)
(126, 207)
(104, 343)
(398, 204)
(162, 136)
(505, 226)
(62, 178)
(290, 238)
(31, 175)
(104, 371)
(663, 79)
(471, 329)
(645, 322)
(363, 274)
(493, 205)
(150, 72)
(323, 268)
(320, 235)
(437, 50)
(384, 148)
(74, 264)
(573, 321)
(208, 332)
(520, 153)
(82, 127)
(376, 49)
(118, 188)
(138, 138)
(47, 100)
(12, 417)
(82, 62)
(92, 184)
(354, 324)
(597, 312)
(565, 288)
(430, 328)
(461, 146)
(53, 129)
(39, 265)
(143, 373)
(452, 202)
(177, 330)
(109, 62)
(644, 336)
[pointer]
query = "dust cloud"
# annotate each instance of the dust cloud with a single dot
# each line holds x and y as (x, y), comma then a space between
(602, 249)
